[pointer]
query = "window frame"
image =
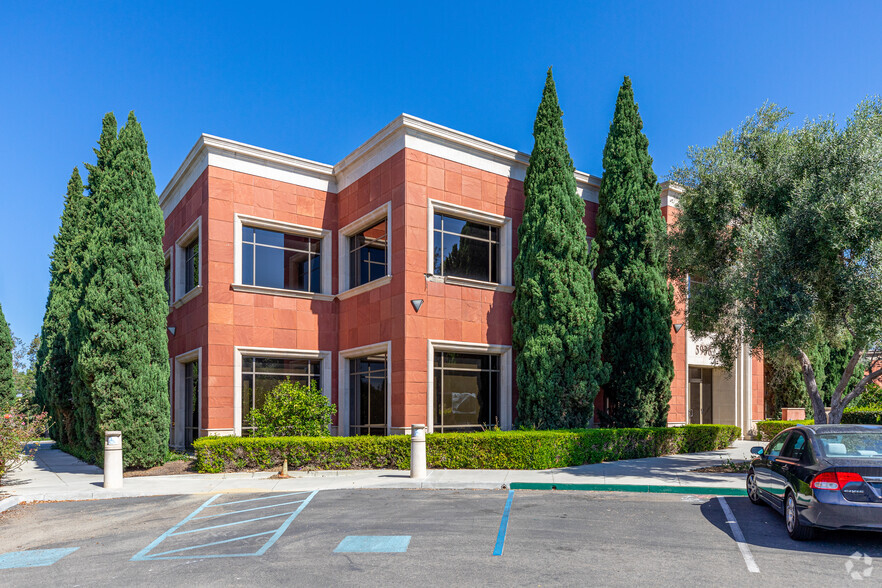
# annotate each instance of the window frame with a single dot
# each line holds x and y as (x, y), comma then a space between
(344, 288)
(504, 261)
(193, 233)
(325, 256)
(180, 362)
(170, 290)
(505, 376)
(344, 389)
(272, 352)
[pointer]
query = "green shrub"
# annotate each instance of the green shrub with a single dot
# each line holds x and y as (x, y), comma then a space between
(293, 410)
(766, 430)
(869, 415)
(870, 397)
(488, 450)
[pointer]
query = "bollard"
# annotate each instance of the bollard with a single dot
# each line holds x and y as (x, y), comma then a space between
(113, 462)
(418, 451)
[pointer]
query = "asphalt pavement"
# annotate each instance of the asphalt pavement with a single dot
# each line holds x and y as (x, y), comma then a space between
(421, 538)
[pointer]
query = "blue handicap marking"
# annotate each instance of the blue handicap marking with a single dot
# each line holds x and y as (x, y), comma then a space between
(503, 525)
(33, 558)
(374, 544)
(267, 516)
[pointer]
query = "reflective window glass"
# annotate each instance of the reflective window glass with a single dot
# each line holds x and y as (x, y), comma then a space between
(466, 391)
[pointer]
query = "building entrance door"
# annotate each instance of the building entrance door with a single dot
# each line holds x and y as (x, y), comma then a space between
(701, 396)
(191, 403)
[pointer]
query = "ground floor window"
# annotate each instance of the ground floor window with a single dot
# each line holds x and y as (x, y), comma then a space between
(191, 403)
(466, 391)
(262, 374)
(367, 395)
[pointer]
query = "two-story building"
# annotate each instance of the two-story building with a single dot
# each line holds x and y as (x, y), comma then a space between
(386, 279)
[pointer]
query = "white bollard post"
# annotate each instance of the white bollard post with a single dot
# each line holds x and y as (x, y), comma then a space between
(113, 461)
(418, 451)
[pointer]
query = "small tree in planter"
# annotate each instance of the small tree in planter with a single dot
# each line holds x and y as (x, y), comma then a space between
(293, 410)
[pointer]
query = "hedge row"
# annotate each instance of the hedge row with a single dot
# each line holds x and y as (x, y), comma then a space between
(515, 450)
(766, 430)
(872, 415)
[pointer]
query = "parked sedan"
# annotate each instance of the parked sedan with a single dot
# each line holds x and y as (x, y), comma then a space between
(821, 476)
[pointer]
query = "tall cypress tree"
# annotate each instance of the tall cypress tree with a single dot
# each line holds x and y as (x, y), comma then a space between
(123, 360)
(636, 299)
(7, 382)
(83, 430)
(54, 362)
(557, 323)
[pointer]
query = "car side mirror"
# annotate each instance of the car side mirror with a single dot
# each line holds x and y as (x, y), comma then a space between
(758, 450)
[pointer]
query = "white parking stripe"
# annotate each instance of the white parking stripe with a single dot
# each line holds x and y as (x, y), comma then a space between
(739, 537)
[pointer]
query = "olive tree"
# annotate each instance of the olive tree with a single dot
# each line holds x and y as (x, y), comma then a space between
(781, 227)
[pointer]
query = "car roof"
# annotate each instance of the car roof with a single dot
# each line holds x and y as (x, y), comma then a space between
(840, 428)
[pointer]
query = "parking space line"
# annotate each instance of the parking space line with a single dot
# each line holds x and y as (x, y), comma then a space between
(503, 525)
(158, 555)
(739, 537)
(287, 494)
(223, 514)
(145, 555)
(231, 524)
(141, 554)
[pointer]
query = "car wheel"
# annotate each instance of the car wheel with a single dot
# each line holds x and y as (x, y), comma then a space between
(752, 489)
(796, 530)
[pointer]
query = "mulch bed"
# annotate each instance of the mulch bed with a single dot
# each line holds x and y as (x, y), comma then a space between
(167, 469)
(730, 468)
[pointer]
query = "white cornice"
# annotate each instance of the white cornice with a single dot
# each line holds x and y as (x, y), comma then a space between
(405, 131)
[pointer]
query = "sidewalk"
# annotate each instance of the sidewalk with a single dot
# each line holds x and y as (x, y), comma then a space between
(54, 475)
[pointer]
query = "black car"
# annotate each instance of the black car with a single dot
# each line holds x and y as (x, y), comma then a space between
(821, 476)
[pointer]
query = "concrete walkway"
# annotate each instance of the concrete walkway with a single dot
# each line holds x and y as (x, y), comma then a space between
(54, 475)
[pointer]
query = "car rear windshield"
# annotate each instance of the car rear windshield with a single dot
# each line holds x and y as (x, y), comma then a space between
(851, 444)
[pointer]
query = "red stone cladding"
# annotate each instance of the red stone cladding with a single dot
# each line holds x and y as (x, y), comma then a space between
(677, 405)
(759, 388)
(257, 320)
(450, 312)
(191, 319)
(378, 315)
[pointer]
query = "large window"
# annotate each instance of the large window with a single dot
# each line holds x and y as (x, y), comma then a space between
(466, 391)
(367, 395)
(168, 281)
(367, 255)
(262, 374)
(191, 265)
(465, 249)
(280, 260)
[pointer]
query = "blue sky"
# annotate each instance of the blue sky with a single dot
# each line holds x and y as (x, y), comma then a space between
(316, 82)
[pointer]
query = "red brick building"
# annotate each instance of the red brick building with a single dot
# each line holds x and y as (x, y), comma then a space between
(386, 278)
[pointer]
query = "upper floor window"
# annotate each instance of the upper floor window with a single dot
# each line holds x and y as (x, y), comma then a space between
(186, 279)
(168, 281)
(191, 265)
(281, 260)
(367, 255)
(465, 249)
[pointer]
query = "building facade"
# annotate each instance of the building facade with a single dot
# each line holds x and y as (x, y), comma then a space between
(385, 279)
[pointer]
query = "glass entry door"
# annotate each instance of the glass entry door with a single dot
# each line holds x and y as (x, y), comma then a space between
(701, 396)
(191, 403)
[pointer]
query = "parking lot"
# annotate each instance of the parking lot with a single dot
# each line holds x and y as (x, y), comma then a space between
(421, 537)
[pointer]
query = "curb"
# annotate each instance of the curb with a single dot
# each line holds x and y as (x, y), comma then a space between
(8, 503)
(645, 488)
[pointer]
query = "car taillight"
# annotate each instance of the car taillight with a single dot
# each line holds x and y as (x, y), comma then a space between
(835, 480)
